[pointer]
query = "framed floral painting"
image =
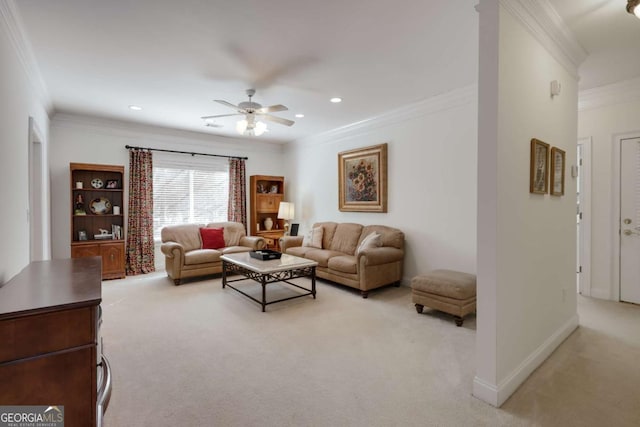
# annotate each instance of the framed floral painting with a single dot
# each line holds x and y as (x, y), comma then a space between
(362, 179)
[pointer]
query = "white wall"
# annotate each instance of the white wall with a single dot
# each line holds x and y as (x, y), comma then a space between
(603, 122)
(86, 139)
(19, 99)
(526, 242)
(431, 179)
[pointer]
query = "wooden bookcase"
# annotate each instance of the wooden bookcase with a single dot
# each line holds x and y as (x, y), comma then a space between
(92, 210)
(266, 193)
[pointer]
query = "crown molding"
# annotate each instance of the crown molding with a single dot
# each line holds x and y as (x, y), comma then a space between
(615, 93)
(12, 22)
(544, 23)
(447, 101)
(164, 136)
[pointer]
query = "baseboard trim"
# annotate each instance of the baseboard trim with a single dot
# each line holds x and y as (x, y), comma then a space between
(600, 293)
(496, 396)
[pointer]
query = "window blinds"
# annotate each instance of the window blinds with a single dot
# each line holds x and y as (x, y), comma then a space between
(189, 191)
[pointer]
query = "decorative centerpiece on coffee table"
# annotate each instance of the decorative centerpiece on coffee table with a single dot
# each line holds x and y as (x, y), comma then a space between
(265, 254)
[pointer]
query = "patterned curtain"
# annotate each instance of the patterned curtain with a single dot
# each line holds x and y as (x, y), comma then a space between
(237, 210)
(140, 257)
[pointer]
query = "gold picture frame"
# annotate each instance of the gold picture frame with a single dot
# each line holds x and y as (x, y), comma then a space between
(558, 159)
(362, 179)
(539, 170)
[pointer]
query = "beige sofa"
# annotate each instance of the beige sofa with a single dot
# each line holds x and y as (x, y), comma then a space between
(184, 256)
(340, 259)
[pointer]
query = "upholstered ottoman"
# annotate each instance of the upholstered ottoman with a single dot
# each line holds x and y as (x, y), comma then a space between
(446, 290)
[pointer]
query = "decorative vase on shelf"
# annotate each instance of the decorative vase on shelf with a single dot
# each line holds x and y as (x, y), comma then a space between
(268, 223)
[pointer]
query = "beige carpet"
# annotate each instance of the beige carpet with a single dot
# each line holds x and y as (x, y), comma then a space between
(198, 355)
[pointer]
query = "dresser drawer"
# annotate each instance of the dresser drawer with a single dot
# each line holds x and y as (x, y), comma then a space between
(35, 335)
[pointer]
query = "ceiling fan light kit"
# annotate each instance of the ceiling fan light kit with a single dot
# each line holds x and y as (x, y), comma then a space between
(633, 7)
(244, 127)
(252, 110)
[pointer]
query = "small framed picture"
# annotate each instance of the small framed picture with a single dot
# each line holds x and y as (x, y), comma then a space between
(557, 171)
(82, 235)
(539, 173)
(294, 230)
(112, 183)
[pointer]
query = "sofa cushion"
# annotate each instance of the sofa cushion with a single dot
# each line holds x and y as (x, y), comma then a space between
(328, 230)
(233, 231)
(201, 256)
(313, 238)
(321, 256)
(187, 235)
(345, 238)
(212, 238)
(389, 236)
(371, 241)
(235, 249)
(300, 251)
(343, 263)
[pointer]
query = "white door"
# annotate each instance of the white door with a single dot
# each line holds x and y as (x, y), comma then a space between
(583, 217)
(630, 220)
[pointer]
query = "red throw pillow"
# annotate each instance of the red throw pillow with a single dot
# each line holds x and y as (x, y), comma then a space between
(212, 238)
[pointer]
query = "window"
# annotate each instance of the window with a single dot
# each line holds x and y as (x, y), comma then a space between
(196, 191)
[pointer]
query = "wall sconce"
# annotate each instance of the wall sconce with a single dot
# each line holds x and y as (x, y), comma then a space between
(633, 7)
(555, 87)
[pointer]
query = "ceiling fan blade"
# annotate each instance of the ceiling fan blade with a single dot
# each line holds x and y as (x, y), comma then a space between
(280, 120)
(228, 104)
(221, 115)
(272, 109)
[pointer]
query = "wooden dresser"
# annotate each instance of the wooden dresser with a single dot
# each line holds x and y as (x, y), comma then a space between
(48, 337)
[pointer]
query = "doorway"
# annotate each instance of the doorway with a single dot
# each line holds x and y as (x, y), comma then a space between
(629, 220)
(583, 217)
(36, 213)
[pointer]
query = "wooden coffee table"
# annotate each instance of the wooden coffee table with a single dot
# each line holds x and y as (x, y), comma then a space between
(271, 271)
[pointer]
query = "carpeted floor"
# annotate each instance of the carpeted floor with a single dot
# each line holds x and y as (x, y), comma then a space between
(198, 355)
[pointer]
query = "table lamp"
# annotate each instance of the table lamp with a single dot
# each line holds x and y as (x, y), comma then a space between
(286, 212)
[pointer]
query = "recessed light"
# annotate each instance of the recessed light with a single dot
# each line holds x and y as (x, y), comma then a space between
(336, 100)
(299, 116)
(135, 107)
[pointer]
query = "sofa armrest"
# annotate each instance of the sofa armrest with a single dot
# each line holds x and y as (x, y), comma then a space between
(381, 255)
(172, 249)
(290, 242)
(253, 242)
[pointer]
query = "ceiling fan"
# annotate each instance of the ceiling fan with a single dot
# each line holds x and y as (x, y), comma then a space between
(252, 112)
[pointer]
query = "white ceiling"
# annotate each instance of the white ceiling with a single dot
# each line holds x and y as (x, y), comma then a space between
(609, 34)
(174, 58)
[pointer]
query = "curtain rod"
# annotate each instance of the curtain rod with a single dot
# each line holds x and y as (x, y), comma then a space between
(130, 147)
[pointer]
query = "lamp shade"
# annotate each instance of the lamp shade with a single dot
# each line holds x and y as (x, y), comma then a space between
(241, 126)
(260, 128)
(633, 7)
(286, 211)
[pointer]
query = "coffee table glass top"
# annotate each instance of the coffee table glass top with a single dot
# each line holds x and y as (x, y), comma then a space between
(286, 262)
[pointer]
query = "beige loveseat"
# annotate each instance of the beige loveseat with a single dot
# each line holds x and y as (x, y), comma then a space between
(184, 256)
(341, 259)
